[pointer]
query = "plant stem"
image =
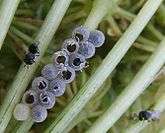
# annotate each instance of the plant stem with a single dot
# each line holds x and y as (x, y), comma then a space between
(7, 12)
(162, 131)
(141, 81)
(107, 66)
(115, 28)
(20, 34)
(83, 115)
(139, 126)
(137, 5)
(24, 74)
(155, 32)
(25, 126)
(99, 10)
(146, 41)
(130, 16)
(25, 25)
(24, 12)
(16, 44)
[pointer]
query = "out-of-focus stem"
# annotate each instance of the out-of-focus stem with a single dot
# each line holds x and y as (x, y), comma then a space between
(7, 11)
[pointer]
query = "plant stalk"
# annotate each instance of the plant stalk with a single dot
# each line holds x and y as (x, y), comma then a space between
(98, 12)
(141, 81)
(130, 16)
(20, 34)
(25, 126)
(7, 12)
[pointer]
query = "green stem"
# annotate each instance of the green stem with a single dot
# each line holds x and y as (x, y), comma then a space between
(25, 126)
(24, 25)
(160, 17)
(141, 81)
(83, 115)
(24, 75)
(107, 66)
(115, 28)
(17, 45)
(24, 12)
(130, 16)
(99, 10)
(73, 17)
(7, 12)
(36, 22)
(146, 41)
(20, 34)
(137, 5)
(147, 48)
(162, 131)
(155, 32)
(139, 126)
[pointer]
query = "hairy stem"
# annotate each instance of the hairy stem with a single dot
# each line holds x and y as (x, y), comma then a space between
(24, 74)
(107, 66)
(141, 81)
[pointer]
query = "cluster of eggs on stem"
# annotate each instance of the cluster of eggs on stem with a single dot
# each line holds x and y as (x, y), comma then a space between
(54, 77)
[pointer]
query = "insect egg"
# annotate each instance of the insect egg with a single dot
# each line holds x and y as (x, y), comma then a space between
(70, 45)
(57, 87)
(60, 58)
(30, 97)
(21, 112)
(40, 83)
(67, 74)
(97, 38)
(50, 72)
(39, 113)
(47, 99)
(81, 34)
(87, 49)
(77, 62)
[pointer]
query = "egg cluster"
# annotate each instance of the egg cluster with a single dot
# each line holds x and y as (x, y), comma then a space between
(54, 77)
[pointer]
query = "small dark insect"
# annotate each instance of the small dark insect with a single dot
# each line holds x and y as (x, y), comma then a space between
(29, 58)
(33, 52)
(33, 48)
(147, 115)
